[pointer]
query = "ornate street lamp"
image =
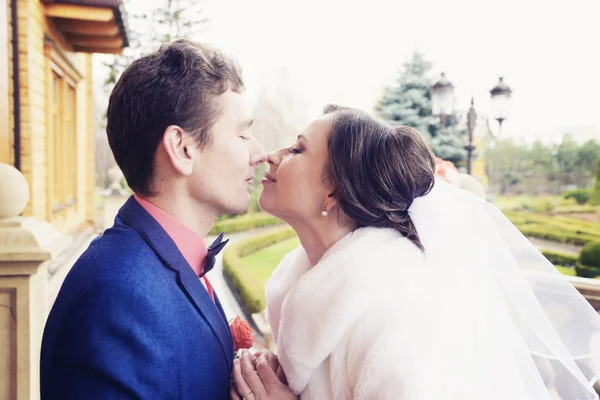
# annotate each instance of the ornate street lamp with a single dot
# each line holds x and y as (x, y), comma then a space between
(442, 105)
(442, 99)
(500, 105)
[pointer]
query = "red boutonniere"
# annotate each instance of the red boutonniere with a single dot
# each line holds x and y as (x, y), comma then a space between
(243, 338)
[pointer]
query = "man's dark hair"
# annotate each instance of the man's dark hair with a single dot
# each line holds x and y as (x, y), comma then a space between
(175, 85)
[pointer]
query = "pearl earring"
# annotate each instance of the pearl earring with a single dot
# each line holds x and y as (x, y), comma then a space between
(324, 213)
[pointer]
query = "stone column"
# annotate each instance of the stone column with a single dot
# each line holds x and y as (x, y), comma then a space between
(26, 246)
(114, 196)
(264, 328)
(471, 184)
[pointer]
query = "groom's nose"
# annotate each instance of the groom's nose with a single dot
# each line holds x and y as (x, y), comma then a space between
(257, 154)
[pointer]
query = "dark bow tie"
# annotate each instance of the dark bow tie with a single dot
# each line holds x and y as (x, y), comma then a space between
(213, 250)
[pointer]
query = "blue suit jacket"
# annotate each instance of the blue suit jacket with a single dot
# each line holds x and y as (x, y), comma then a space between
(132, 320)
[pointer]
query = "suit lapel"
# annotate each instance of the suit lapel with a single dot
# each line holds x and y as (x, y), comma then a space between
(134, 215)
(218, 303)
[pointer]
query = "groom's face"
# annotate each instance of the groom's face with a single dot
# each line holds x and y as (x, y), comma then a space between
(223, 170)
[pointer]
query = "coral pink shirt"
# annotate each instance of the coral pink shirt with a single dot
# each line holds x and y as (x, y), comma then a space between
(190, 244)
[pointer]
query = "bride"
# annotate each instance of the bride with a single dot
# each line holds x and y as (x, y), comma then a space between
(405, 287)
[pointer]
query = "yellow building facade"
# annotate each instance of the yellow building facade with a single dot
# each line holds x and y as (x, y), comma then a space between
(46, 163)
(46, 125)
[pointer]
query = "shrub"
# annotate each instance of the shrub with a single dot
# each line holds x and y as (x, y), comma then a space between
(571, 201)
(585, 271)
(590, 255)
(589, 261)
(560, 258)
(244, 222)
(544, 206)
(251, 291)
(527, 206)
(582, 196)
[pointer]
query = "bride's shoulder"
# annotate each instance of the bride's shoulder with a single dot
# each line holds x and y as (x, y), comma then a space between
(398, 264)
(294, 260)
(401, 249)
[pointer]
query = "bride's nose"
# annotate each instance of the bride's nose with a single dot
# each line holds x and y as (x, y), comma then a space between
(274, 158)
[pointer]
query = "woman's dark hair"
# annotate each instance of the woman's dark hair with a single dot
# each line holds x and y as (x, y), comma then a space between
(377, 170)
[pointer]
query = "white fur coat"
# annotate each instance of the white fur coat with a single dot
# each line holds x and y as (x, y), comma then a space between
(337, 325)
(366, 322)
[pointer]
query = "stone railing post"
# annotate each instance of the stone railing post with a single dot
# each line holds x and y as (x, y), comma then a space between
(114, 196)
(264, 328)
(26, 247)
(471, 184)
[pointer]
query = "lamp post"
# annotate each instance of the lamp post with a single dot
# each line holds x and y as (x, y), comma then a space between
(442, 105)
(471, 121)
(442, 99)
(501, 94)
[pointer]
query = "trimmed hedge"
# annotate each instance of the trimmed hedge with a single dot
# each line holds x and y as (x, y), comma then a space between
(564, 263)
(244, 222)
(586, 271)
(584, 209)
(557, 228)
(519, 217)
(251, 291)
(552, 234)
(562, 259)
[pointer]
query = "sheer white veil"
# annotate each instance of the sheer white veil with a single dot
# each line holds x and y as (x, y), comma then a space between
(531, 329)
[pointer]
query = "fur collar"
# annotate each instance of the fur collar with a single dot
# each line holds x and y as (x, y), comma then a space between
(311, 310)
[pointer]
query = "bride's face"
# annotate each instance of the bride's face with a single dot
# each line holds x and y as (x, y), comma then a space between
(294, 187)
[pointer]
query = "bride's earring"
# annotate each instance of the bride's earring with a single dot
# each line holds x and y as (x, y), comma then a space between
(324, 213)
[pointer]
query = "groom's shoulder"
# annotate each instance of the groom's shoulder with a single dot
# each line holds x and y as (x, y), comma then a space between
(118, 249)
(119, 242)
(119, 255)
(118, 265)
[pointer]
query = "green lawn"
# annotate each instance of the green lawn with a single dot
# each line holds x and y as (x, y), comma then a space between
(522, 201)
(262, 263)
(540, 204)
(566, 271)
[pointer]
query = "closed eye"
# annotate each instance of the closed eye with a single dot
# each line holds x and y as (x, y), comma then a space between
(294, 151)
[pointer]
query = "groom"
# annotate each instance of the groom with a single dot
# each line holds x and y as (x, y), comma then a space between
(137, 317)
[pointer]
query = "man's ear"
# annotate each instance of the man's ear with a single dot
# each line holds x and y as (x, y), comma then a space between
(176, 143)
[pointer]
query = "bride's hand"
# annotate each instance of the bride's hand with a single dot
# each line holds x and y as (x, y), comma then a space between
(272, 359)
(259, 384)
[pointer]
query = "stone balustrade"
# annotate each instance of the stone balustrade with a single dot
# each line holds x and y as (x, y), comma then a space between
(27, 246)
